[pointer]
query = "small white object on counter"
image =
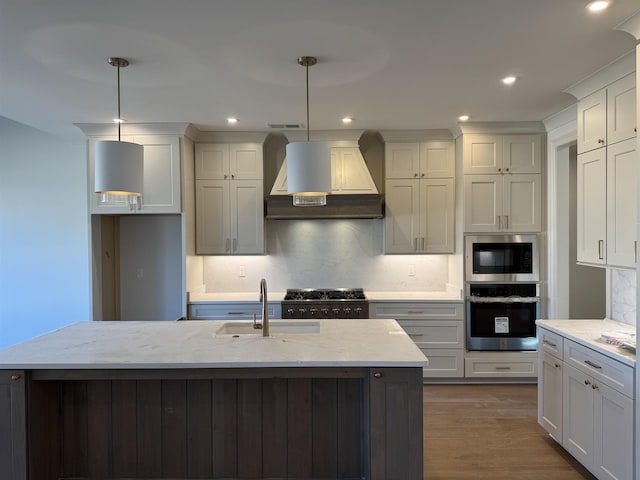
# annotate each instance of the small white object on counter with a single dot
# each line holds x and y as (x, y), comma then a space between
(589, 332)
(193, 344)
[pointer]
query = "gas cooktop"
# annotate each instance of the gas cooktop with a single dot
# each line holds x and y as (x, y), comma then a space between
(325, 303)
(325, 294)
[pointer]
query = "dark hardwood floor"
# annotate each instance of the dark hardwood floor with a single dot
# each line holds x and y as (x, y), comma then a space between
(490, 432)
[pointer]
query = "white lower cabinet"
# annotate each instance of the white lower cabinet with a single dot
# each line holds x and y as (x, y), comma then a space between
(585, 402)
(502, 364)
(232, 311)
(437, 328)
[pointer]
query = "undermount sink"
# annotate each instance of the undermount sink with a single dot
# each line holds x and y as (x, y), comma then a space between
(275, 326)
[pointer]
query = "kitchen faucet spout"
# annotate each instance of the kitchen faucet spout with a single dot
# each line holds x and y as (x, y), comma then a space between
(265, 308)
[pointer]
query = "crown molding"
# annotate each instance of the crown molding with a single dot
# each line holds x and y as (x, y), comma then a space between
(231, 137)
(621, 67)
(631, 25)
(502, 127)
(109, 129)
(561, 118)
(415, 135)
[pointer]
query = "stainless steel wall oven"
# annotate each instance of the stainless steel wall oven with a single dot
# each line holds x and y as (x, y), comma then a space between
(502, 292)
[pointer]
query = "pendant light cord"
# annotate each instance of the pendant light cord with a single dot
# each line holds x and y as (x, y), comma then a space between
(119, 117)
(307, 70)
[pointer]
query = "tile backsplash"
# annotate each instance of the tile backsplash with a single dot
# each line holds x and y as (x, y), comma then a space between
(623, 295)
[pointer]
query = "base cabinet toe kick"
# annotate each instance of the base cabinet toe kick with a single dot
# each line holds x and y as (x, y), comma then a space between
(308, 422)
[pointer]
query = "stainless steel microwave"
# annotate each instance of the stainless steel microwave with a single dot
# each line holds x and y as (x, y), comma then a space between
(502, 258)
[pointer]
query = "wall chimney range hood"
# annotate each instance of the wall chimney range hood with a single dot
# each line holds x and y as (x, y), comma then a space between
(354, 194)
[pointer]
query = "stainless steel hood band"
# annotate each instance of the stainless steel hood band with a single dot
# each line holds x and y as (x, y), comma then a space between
(475, 299)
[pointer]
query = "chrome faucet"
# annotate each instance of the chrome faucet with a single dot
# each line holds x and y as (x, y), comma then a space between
(265, 309)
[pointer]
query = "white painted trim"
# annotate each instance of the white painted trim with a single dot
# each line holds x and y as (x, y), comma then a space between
(104, 129)
(631, 25)
(502, 127)
(415, 135)
(621, 67)
(563, 135)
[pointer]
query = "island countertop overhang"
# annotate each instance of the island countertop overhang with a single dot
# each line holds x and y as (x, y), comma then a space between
(194, 344)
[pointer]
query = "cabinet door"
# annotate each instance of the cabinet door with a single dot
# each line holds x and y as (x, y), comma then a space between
(246, 217)
(482, 154)
(212, 161)
(437, 160)
(402, 160)
(522, 154)
(483, 203)
(349, 175)
(592, 121)
(212, 217)
(577, 420)
(621, 110)
(591, 207)
(13, 425)
(162, 174)
(550, 394)
(245, 161)
(402, 222)
(613, 452)
(622, 171)
(437, 211)
(522, 203)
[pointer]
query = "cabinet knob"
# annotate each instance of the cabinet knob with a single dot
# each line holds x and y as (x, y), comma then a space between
(557, 365)
(499, 169)
(377, 375)
(415, 175)
(506, 169)
(587, 382)
(422, 175)
(225, 176)
(601, 140)
(16, 377)
(233, 175)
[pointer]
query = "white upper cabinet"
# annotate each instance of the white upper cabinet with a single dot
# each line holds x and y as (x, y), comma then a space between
(162, 177)
(500, 154)
(229, 199)
(592, 207)
(607, 116)
(221, 161)
(419, 197)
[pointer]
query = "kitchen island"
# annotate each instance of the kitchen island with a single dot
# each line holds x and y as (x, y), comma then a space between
(202, 399)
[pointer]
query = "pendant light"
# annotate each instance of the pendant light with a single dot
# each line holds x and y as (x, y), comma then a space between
(308, 163)
(118, 164)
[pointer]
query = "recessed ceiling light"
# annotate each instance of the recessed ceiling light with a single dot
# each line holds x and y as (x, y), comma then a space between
(347, 120)
(232, 120)
(118, 120)
(463, 118)
(510, 80)
(598, 5)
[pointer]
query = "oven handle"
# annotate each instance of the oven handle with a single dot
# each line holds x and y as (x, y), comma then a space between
(475, 299)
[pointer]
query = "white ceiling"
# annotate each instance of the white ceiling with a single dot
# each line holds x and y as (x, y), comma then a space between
(391, 64)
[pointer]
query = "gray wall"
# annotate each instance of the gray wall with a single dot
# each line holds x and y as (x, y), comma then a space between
(44, 233)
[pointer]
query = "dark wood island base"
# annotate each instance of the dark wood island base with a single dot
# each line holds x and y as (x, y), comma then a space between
(306, 422)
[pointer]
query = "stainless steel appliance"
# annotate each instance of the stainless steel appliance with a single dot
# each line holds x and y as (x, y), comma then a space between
(325, 303)
(502, 316)
(502, 276)
(501, 258)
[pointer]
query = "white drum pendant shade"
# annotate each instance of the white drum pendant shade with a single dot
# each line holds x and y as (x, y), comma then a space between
(309, 171)
(119, 168)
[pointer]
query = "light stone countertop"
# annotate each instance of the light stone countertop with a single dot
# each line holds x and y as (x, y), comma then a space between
(240, 297)
(588, 332)
(194, 344)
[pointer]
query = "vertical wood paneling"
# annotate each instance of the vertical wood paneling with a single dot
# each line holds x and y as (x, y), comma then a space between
(350, 425)
(98, 427)
(325, 428)
(299, 428)
(230, 428)
(13, 426)
(174, 429)
(218, 427)
(45, 430)
(199, 429)
(274, 428)
(74, 432)
(123, 428)
(149, 428)
(250, 428)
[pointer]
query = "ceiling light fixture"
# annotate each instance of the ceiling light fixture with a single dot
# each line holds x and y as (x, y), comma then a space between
(347, 120)
(598, 6)
(119, 165)
(463, 118)
(510, 80)
(232, 120)
(308, 163)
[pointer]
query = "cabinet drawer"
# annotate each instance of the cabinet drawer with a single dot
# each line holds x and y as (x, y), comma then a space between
(605, 369)
(419, 310)
(444, 362)
(509, 365)
(240, 311)
(550, 342)
(435, 333)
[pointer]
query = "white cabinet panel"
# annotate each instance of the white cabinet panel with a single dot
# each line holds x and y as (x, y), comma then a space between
(591, 207)
(592, 121)
(550, 394)
(483, 203)
(522, 203)
(621, 110)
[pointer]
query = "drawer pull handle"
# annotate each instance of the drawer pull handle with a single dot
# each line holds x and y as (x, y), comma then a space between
(415, 312)
(551, 344)
(235, 313)
(416, 334)
(503, 368)
(591, 364)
